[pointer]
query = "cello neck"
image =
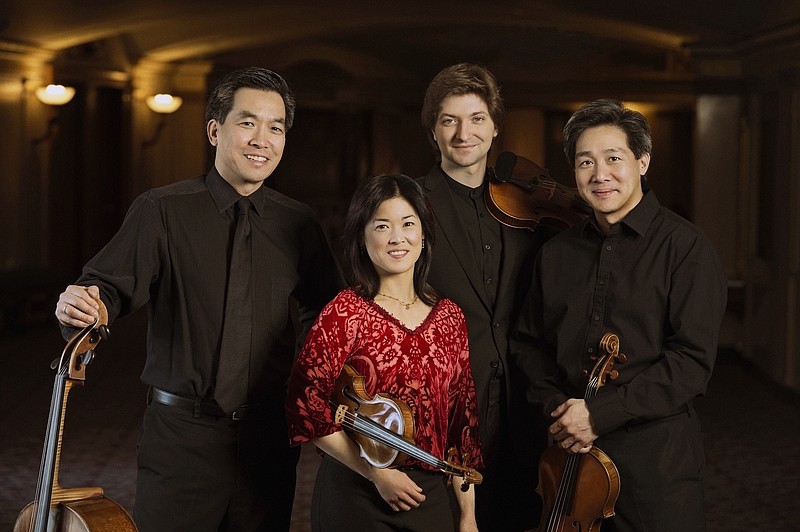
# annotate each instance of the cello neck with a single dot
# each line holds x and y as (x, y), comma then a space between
(51, 453)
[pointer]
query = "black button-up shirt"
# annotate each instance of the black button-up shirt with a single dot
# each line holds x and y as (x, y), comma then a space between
(172, 254)
(656, 282)
(484, 234)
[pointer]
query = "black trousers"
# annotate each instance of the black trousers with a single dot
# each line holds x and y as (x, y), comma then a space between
(345, 501)
(210, 473)
(661, 466)
(506, 500)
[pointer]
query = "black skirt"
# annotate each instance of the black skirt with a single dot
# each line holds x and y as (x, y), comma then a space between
(345, 501)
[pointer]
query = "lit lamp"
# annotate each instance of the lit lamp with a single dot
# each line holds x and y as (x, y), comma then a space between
(55, 94)
(164, 103)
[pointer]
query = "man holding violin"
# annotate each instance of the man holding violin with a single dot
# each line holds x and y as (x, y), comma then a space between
(639, 271)
(484, 267)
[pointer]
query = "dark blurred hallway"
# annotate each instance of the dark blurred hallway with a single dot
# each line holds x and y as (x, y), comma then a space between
(752, 433)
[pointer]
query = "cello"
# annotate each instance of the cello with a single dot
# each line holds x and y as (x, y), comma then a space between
(77, 509)
(580, 490)
(383, 428)
(522, 194)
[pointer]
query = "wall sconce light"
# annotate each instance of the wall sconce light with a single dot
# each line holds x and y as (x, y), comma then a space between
(164, 103)
(55, 94)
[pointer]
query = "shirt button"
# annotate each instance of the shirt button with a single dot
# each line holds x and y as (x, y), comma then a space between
(494, 363)
(487, 247)
(591, 350)
(495, 325)
(608, 248)
(597, 318)
(488, 280)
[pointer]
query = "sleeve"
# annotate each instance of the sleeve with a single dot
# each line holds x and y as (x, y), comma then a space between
(321, 278)
(129, 263)
(463, 403)
(532, 351)
(314, 373)
(695, 308)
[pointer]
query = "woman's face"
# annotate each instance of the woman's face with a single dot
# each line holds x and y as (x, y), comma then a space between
(393, 237)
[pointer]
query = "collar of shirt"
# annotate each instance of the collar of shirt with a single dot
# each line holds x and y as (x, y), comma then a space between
(638, 219)
(465, 191)
(224, 195)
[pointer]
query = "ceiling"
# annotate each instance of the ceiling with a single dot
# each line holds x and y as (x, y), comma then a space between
(527, 44)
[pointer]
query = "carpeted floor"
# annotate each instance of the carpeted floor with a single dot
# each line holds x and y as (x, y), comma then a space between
(752, 433)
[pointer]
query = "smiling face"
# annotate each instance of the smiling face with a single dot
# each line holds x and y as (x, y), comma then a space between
(250, 142)
(607, 173)
(464, 132)
(393, 238)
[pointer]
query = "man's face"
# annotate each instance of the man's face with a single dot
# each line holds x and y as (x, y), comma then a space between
(250, 142)
(608, 174)
(464, 131)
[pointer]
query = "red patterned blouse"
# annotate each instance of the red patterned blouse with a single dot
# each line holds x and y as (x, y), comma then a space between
(428, 368)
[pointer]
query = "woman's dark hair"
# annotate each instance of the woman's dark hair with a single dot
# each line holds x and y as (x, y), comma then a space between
(608, 113)
(220, 102)
(368, 197)
(458, 80)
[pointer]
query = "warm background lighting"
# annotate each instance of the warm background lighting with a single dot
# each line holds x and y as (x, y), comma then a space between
(55, 94)
(164, 103)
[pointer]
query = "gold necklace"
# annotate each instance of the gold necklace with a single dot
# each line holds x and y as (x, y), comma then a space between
(407, 306)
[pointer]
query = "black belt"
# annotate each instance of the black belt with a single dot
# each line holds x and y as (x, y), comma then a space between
(200, 407)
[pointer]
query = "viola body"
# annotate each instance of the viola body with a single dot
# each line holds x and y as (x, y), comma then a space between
(580, 490)
(595, 490)
(91, 515)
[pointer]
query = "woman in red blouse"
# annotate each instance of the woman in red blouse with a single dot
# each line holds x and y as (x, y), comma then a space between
(408, 343)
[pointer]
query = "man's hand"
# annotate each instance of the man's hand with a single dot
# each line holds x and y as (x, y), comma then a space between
(573, 429)
(77, 307)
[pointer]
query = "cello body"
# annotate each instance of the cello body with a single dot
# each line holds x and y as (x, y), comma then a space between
(96, 514)
(56, 508)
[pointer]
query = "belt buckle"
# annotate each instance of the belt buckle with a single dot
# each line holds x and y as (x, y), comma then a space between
(240, 413)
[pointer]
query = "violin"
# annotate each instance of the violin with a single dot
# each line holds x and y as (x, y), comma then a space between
(522, 194)
(56, 508)
(580, 490)
(383, 428)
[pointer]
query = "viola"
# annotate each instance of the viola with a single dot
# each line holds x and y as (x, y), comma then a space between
(383, 428)
(522, 194)
(580, 490)
(57, 508)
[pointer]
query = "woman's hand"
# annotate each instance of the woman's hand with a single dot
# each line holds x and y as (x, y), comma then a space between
(397, 489)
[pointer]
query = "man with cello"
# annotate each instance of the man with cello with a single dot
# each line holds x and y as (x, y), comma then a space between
(642, 272)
